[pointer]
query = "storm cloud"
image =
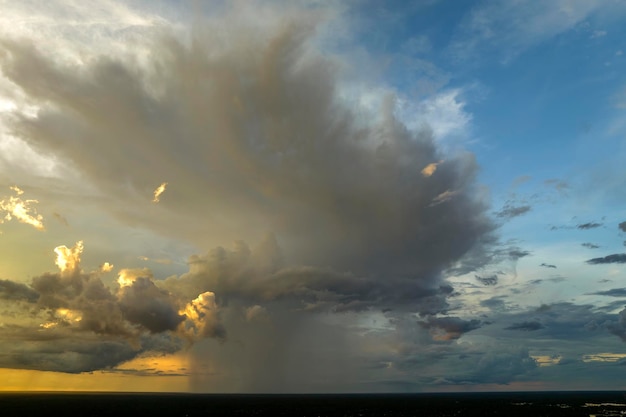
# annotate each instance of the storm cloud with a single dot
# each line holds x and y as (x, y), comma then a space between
(250, 136)
(274, 148)
(10, 290)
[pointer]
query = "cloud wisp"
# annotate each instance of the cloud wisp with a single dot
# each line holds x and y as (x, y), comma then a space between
(588, 226)
(510, 28)
(158, 191)
(510, 211)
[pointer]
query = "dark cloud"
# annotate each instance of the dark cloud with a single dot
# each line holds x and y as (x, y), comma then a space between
(496, 255)
(583, 326)
(503, 367)
(509, 211)
(60, 350)
(79, 324)
(65, 355)
(615, 292)
(494, 303)
(489, 280)
(516, 254)
(548, 265)
(144, 304)
(616, 258)
(587, 226)
(622, 226)
(448, 328)
(589, 245)
(10, 290)
(466, 367)
(541, 280)
(618, 327)
(257, 276)
(527, 326)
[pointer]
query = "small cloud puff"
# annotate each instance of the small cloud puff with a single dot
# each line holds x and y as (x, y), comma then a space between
(14, 207)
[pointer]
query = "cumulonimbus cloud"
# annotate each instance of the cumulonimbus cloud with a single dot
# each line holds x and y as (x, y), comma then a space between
(252, 128)
(275, 147)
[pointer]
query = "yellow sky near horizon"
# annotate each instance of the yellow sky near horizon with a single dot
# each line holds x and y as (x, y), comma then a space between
(26, 380)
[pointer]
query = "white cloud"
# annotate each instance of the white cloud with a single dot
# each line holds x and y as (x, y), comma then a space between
(72, 29)
(598, 34)
(442, 113)
(68, 259)
(16, 156)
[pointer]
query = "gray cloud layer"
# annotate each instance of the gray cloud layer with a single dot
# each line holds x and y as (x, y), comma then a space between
(614, 292)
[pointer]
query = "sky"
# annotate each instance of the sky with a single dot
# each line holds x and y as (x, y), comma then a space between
(312, 196)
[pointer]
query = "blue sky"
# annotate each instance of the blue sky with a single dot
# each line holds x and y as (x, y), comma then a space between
(313, 196)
